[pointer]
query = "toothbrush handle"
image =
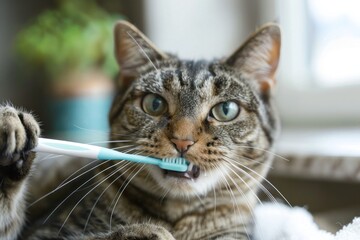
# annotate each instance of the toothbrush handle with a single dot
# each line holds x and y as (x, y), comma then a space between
(88, 151)
(94, 152)
(67, 148)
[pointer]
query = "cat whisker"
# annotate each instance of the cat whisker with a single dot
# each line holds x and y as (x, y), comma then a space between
(232, 195)
(214, 191)
(164, 195)
(250, 207)
(112, 202)
(142, 50)
(198, 197)
(259, 175)
(147, 176)
(112, 141)
(91, 130)
(102, 193)
(244, 196)
(265, 150)
(128, 182)
(118, 191)
(121, 147)
(215, 204)
(64, 183)
(127, 151)
(120, 160)
(126, 137)
(82, 198)
(263, 178)
(116, 134)
(107, 133)
(228, 187)
(77, 171)
(58, 206)
(49, 157)
(244, 182)
(258, 183)
(252, 162)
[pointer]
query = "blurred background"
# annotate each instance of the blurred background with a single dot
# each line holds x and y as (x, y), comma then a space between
(56, 59)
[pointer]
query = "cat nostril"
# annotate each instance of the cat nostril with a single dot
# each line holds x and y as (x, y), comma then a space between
(182, 145)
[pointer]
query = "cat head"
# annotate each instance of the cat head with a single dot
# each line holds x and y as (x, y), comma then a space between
(216, 114)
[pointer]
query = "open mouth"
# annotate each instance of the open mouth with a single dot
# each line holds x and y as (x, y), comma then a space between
(192, 172)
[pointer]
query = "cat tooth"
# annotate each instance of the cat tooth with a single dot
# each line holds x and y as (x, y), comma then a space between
(187, 175)
(190, 166)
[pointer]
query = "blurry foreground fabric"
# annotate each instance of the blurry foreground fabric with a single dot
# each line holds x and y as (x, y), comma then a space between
(280, 222)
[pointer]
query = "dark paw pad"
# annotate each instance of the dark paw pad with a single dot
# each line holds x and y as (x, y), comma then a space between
(19, 133)
(19, 168)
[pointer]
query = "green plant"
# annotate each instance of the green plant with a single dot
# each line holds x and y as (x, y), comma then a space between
(76, 36)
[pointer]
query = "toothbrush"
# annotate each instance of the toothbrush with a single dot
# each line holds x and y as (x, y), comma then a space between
(101, 153)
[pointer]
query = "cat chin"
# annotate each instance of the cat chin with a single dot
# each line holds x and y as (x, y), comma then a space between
(176, 187)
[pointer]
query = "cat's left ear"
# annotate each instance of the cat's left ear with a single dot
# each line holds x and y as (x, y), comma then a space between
(133, 50)
(258, 57)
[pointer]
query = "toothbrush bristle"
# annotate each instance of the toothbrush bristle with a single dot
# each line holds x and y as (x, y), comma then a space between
(175, 164)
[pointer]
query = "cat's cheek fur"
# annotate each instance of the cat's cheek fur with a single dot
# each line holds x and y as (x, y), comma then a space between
(184, 188)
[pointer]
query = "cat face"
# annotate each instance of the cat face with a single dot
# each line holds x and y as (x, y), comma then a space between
(218, 115)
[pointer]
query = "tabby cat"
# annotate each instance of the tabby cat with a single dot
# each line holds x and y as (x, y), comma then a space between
(218, 115)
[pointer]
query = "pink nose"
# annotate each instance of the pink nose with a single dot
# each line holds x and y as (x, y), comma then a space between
(182, 145)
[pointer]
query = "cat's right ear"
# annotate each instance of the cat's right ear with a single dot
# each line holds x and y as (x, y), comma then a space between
(258, 57)
(133, 50)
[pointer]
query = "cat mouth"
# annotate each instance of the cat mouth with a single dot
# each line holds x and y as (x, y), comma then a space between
(193, 172)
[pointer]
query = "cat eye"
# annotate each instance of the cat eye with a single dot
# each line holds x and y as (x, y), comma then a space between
(153, 104)
(225, 111)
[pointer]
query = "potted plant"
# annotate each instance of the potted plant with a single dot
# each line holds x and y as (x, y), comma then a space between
(73, 46)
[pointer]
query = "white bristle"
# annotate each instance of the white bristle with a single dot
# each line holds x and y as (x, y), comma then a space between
(175, 164)
(175, 160)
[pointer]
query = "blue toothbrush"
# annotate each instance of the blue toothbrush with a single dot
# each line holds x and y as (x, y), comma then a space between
(101, 153)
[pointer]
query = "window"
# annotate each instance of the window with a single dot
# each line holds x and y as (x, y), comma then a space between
(335, 36)
(319, 80)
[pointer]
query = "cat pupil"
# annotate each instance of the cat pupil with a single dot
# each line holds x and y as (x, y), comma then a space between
(225, 108)
(156, 104)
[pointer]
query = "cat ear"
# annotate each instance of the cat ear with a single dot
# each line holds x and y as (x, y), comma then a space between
(133, 49)
(258, 57)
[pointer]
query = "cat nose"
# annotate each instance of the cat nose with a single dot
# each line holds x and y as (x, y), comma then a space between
(182, 145)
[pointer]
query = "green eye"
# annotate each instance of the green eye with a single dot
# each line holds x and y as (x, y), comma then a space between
(225, 111)
(153, 104)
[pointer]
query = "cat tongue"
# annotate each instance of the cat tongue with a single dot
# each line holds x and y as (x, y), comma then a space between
(193, 172)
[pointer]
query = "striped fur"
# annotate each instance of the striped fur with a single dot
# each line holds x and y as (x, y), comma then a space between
(119, 200)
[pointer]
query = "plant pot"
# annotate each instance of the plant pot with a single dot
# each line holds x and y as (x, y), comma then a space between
(79, 106)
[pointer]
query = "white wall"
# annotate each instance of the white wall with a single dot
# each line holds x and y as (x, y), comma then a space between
(201, 28)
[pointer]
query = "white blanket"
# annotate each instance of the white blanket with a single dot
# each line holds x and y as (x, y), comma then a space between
(279, 222)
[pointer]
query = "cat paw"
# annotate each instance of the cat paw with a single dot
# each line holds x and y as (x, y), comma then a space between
(19, 133)
(143, 231)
